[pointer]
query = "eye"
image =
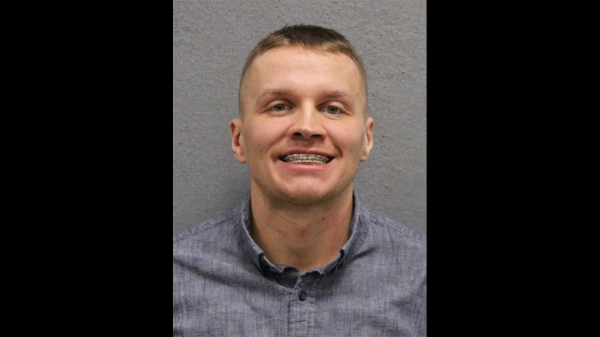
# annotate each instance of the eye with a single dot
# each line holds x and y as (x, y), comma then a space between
(332, 110)
(280, 107)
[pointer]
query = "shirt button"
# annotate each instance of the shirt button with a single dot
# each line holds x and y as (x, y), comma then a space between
(302, 296)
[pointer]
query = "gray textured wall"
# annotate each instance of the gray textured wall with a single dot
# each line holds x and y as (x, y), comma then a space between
(211, 40)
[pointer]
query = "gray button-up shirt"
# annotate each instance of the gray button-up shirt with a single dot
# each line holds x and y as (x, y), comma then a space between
(223, 285)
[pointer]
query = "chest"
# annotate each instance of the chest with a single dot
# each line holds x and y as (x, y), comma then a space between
(342, 305)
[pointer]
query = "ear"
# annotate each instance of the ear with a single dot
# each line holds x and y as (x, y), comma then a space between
(237, 140)
(368, 140)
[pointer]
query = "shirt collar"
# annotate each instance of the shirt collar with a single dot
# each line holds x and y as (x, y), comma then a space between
(257, 256)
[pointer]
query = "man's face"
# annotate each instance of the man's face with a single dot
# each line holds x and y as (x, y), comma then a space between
(310, 105)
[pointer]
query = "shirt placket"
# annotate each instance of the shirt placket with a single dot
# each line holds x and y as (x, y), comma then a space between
(302, 306)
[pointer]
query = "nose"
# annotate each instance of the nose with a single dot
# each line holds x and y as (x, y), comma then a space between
(307, 124)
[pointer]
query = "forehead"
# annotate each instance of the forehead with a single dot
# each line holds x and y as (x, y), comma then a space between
(301, 57)
(302, 71)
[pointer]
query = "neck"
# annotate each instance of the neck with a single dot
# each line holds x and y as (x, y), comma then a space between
(305, 236)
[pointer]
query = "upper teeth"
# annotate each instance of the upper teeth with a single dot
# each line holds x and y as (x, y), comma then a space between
(306, 158)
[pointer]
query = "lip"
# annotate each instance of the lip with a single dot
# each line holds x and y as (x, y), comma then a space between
(304, 151)
(299, 168)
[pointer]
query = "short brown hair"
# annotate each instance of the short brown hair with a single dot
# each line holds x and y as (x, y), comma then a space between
(311, 37)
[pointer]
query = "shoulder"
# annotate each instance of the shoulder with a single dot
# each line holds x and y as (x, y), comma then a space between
(392, 250)
(211, 243)
(207, 231)
(395, 229)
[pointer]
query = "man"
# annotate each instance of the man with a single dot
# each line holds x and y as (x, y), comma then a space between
(302, 256)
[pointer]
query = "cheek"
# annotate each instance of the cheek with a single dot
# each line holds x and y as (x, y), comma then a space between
(351, 138)
(261, 137)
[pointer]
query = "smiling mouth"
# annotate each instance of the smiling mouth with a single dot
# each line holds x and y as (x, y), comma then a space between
(305, 158)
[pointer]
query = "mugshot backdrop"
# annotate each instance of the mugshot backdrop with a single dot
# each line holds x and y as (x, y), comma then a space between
(211, 40)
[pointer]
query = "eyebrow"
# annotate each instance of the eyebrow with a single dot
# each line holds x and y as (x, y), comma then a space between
(337, 94)
(272, 92)
(282, 92)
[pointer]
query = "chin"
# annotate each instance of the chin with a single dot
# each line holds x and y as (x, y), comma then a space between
(305, 199)
(300, 192)
(308, 196)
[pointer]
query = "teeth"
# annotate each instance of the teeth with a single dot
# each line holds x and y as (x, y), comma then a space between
(306, 158)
